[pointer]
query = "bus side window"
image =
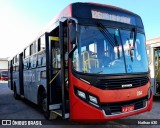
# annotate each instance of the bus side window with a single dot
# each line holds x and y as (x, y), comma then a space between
(16, 67)
(29, 64)
(43, 74)
(33, 61)
(41, 60)
(26, 64)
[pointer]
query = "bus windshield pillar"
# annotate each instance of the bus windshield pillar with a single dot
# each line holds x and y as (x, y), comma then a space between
(61, 37)
(48, 61)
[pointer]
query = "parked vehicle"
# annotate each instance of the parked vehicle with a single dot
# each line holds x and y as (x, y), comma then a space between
(4, 75)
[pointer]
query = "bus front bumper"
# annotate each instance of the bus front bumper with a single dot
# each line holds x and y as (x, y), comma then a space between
(84, 112)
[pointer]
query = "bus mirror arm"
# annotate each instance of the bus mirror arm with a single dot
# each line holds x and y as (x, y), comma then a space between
(71, 52)
(73, 33)
(73, 36)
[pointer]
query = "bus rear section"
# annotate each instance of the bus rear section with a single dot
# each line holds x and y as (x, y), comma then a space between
(89, 65)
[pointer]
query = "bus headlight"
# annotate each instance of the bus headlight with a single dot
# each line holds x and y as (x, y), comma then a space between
(149, 93)
(81, 94)
(93, 99)
(87, 97)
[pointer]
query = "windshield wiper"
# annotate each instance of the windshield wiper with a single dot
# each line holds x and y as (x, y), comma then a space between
(116, 41)
(131, 49)
(113, 40)
(99, 72)
(72, 51)
(106, 33)
(135, 37)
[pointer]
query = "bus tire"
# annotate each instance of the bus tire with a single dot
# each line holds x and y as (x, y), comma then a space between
(47, 114)
(16, 96)
(44, 106)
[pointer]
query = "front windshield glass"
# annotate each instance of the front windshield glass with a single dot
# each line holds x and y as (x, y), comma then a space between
(5, 74)
(135, 54)
(103, 52)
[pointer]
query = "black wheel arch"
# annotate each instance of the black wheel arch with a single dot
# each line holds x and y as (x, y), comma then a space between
(41, 91)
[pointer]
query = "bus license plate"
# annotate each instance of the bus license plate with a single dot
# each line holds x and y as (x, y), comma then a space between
(128, 108)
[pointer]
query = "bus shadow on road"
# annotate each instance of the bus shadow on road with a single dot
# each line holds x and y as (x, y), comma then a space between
(31, 105)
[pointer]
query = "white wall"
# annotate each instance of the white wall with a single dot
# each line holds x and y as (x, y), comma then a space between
(3, 64)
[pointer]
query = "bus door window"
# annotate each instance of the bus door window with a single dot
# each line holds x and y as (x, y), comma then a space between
(56, 55)
(56, 63)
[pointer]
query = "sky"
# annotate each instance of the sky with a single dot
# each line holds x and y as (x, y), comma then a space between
(22, 20)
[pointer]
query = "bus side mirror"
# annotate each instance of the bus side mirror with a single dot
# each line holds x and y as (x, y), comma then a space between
(72, 33)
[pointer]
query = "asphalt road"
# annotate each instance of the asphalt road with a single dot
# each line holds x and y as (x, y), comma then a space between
(23, 109)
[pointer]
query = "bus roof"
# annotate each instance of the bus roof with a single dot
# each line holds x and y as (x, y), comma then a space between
(84, 11)
(75, 10)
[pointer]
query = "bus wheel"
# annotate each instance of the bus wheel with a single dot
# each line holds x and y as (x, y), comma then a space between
(44, 106)
(16, 96)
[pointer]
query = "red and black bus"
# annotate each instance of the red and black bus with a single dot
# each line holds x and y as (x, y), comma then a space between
(89, 64)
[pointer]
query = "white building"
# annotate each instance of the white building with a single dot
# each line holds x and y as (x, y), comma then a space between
(3, 63)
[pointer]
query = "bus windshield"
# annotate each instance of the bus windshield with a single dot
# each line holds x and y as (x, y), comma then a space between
(4, 74)
(110, 51)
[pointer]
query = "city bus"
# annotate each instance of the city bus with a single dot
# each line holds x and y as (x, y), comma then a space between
(153, 52)
(88, 64)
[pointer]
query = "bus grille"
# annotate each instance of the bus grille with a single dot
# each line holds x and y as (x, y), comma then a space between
(117, 83)
(116, 108)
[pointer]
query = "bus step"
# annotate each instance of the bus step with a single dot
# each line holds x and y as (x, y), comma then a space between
(59, 112)
(55, 106)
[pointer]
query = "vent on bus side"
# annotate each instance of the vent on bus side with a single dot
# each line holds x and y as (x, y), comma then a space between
(119, 82)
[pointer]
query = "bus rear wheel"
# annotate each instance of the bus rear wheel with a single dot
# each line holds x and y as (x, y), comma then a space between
(47, 114)
(16, 96)
(43, 105)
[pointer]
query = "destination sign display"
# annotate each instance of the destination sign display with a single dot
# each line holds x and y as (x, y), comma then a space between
(110, 16)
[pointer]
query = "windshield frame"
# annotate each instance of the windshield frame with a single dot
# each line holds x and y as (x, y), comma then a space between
(124, 58)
